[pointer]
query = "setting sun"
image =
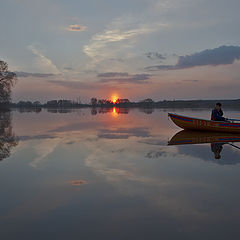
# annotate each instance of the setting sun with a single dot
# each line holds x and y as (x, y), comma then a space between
(114, 98)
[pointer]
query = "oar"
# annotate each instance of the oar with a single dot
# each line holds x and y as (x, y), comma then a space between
(233, 145)
(232, 119)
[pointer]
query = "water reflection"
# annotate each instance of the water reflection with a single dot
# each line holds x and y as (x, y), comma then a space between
(216, 149)
(114, 111)
(59, 110)
(147, 110)
(7, 138)
(29, 110)
(93, 176)
(217, 141)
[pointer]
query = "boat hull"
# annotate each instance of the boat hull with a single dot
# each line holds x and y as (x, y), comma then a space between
(197, 124)
(197, 137)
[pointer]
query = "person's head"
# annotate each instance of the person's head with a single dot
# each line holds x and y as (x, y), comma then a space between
(218, 106)
(217, 155)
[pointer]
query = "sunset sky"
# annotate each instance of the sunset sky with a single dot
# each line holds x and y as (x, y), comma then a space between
(163, 49)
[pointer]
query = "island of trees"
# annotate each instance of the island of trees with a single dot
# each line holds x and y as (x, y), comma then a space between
(124, 103)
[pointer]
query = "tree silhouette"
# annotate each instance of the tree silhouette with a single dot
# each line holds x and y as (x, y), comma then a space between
(7, 80)
(7, 138)
(93, 101)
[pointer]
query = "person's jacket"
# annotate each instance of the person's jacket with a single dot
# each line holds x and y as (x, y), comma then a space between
(217, 115)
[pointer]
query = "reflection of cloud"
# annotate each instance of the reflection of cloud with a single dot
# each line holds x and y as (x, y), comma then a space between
(78, 126)
(40, 204)
(77, 182)
(210, 57)
(156, 154)
(123, 133)
(156, 184)
(101, 160)
(204, 153)
(44, 149)
(153, 141)
(114, 136)
(76, 28)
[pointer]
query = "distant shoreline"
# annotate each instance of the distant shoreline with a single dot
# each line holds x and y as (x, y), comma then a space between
(67, 104)
(159, 104)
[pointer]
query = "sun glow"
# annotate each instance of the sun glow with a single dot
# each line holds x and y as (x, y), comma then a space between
(114, 98)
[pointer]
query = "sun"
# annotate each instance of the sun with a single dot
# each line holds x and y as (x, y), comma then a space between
(114, 98)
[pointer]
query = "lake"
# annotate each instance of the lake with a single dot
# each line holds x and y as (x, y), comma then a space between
(110, 174)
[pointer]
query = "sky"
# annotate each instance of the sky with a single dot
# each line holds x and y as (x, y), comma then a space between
(135, 49)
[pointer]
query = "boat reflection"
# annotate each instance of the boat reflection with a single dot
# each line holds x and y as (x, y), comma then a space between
(7, 138)
(216, 140)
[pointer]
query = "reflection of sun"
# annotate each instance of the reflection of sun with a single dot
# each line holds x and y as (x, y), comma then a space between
(114, 112)
(114, 98)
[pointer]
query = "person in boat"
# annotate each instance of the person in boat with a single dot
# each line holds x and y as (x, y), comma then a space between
(217, 113)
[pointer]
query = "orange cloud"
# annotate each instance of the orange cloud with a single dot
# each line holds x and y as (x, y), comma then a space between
(78, 182)
(76, 28)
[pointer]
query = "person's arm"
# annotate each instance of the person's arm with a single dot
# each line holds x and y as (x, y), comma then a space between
(217, 116)
(220, 112)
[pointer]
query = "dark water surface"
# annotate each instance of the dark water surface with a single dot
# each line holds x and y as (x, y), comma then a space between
(110, 174)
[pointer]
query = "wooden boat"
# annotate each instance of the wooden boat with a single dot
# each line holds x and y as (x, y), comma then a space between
(198, 137)
(190, 123)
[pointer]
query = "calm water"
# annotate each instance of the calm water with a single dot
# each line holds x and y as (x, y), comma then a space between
(105, 174)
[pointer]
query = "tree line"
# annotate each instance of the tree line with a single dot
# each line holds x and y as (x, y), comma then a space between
(7, 81)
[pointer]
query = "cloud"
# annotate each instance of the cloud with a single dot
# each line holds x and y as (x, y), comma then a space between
(72, 84)
(44, 63)
(76, 28)
(77, 182)
(216, 56)
(155, 56)
(222, 55)
(123, 77)
(121, 34)
(108, 77)
(112, 74)
(43, 136)
(39, 75)
(69, 68)
(191, 80)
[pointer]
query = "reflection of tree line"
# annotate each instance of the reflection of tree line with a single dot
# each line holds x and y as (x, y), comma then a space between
(7, 138)
(123, 110)
(95, 111)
